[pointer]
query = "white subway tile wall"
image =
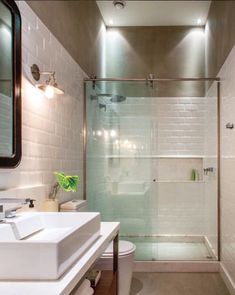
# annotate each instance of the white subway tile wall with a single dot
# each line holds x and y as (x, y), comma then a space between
(159, 125)
(160, 138)
(227, 74)
(164, 127)
(52, 129)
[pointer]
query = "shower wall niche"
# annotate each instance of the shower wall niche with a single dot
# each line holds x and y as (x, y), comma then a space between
(152, 165)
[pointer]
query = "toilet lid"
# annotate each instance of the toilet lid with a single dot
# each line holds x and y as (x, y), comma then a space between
(125, 248)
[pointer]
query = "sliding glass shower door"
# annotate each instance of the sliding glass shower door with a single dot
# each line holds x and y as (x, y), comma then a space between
(119, 167)
(151, 163)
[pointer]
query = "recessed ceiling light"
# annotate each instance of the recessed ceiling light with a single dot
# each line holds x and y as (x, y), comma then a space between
(199, 21)
(111, 22)
(119, 4)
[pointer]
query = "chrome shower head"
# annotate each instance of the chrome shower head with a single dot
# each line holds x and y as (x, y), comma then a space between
(117, 98)
(107, 98)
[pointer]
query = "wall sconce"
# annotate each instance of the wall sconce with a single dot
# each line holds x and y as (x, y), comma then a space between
(49, 87)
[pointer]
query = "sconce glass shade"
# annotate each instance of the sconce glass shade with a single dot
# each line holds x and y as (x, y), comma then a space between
(45, 87)
(49, 91)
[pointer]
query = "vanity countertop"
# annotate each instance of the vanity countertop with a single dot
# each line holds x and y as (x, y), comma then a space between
(70, 279)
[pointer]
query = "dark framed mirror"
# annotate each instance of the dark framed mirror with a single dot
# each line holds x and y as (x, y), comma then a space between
(10, 84)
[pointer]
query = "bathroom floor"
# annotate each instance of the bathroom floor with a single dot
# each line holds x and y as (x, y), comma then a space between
(149, 249)
(178, 284)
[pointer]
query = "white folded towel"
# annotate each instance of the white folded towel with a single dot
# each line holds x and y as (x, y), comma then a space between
(84, 289)
(88, 291)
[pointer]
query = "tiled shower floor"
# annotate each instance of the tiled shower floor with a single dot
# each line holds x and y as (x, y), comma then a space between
(151, 249)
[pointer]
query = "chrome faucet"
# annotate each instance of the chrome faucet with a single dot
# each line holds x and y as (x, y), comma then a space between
(10, 212)
(208, 170)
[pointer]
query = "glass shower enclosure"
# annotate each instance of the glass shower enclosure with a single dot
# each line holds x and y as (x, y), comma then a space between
(152, 164)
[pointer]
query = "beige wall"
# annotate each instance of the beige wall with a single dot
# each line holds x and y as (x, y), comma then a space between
(163, 51)
(129, 52)
(78, 25)
(220, 35)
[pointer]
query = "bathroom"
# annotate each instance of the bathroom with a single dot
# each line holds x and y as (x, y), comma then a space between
(117, 125)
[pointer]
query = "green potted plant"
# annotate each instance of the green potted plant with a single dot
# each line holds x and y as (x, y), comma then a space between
(67, 183)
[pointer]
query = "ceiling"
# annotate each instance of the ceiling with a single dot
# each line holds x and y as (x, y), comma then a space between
(155, 13)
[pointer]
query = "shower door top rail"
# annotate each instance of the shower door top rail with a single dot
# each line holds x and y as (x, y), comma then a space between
(95, 79)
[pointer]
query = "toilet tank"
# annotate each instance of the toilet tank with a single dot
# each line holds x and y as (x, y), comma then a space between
(74, 206)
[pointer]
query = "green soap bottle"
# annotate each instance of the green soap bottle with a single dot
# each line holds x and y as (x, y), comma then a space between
(193, 175)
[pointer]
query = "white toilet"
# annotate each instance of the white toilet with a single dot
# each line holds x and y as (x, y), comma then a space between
(126, 259)
(126, 252)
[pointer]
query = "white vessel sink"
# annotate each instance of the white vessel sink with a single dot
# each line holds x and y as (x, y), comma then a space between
(6, 233)
(42, 246)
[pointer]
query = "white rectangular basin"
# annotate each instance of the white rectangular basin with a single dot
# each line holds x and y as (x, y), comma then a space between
(42, 246)
(6, 233)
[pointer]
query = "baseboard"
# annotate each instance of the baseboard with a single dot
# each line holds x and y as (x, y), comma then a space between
(227, 279)
(176, 266)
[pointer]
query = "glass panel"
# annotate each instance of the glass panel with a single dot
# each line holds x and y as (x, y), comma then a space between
(152, 165)
(119, 166)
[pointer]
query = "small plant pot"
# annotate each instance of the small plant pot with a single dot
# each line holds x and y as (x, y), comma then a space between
(51, 205)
